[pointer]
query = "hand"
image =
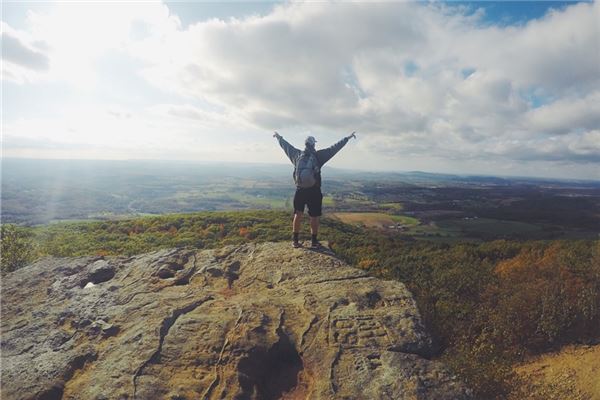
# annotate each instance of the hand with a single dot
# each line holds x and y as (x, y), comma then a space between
(352, 135)
(276, 135)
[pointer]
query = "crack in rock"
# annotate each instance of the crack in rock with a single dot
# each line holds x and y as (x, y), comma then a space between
(165, 326)
(344, 278)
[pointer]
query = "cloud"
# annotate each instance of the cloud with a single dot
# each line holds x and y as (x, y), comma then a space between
(415, 79)
(428, 77)
(15, 51)
(567, 115)
(69, 39)
(24, 59)
(164, 131)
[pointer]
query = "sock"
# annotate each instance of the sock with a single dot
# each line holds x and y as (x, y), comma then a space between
(313, 238)
(296, 236)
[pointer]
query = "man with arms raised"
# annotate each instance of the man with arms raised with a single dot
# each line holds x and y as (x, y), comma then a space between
(307, 175)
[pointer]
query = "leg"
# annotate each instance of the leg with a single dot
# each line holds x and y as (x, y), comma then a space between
(297, 222)
(299, 203)
(314, 225)
(314, 211)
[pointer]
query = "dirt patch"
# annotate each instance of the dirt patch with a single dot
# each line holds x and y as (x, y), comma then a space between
(571, 373)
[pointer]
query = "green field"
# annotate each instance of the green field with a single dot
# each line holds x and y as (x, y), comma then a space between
(459, 229)
(374, 219)
(328, 201)
(260, 201)
(433, 232)
(391, 206)
(482, 227)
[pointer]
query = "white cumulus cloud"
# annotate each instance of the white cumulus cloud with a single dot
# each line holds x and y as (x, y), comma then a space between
(438, 81)
(431, 80)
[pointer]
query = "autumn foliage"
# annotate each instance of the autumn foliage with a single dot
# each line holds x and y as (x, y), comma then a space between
(547, 296)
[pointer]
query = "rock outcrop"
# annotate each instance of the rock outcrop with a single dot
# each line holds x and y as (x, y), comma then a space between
(257, 321)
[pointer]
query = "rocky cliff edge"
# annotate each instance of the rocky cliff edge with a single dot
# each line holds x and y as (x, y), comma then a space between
(257, 321)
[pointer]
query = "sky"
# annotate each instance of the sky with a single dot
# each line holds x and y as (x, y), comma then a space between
(492, 88)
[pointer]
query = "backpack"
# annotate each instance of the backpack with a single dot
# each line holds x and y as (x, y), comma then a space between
(306, 170)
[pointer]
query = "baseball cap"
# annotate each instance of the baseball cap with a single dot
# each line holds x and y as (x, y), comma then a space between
(310, 140)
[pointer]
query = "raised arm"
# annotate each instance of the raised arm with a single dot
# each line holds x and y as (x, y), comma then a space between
(325, 155)
(289, 150)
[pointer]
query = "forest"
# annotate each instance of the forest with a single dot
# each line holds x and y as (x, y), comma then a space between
(488, 304)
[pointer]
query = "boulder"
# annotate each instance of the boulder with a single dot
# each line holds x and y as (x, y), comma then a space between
(255, 321)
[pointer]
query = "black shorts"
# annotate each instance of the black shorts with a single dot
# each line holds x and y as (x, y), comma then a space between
(311, 197)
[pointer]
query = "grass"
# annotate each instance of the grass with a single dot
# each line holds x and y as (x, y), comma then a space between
(391, 206)
(454, 230)
(433, 233)
(260, 201)
(483, 226)
(328, 201)
(374, 219)
(355, 202)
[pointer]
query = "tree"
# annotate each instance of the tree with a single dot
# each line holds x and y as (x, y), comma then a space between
(15, 250)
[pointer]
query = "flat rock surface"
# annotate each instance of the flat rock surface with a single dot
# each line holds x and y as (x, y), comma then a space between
(256, 321)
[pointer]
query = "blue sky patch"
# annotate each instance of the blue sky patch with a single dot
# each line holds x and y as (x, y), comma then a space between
(467, 72)
(536, 98)
(410, 68)
(505, 13)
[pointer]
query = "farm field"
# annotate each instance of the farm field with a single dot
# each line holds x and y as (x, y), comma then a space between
(328, 201)
(374, 219)
(484, 226)
(490, 228)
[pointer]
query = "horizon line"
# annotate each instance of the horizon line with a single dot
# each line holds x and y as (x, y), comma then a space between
(464, 175)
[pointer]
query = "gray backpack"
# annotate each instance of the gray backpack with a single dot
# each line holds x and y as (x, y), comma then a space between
(306, 170)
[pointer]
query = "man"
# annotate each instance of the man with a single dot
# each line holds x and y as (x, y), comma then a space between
(307, 175)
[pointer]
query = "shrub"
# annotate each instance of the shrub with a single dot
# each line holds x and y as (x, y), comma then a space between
(16, 247)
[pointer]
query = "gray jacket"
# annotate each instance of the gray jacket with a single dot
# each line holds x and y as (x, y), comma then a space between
(322, 155)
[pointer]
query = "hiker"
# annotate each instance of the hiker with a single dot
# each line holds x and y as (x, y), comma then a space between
(307, 176)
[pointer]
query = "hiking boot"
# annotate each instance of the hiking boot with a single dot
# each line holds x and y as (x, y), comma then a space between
(296, 244)
(316, 244)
